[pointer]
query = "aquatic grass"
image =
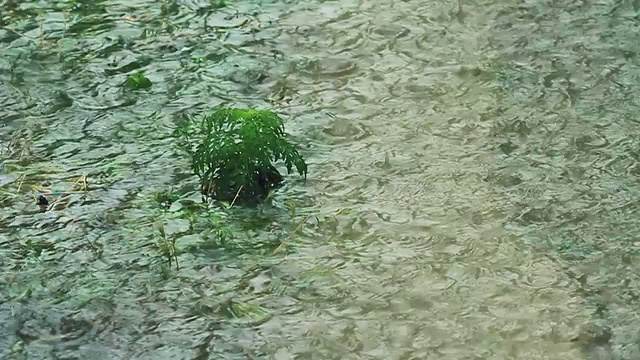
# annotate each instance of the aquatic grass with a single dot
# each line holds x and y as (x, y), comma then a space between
(243, 313)
(253, 315)
(209, 231)
(170, 207)
(80, 186)
(29, 252)
(283, 244)
(165, 198)
(218, 227)
(167, 246)
(41, 195)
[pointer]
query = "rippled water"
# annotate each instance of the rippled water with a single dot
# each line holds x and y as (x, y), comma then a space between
(472, 189)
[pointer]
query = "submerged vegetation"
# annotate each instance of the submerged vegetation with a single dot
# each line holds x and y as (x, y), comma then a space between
(90, 217)
(138, 81)
(233, 152)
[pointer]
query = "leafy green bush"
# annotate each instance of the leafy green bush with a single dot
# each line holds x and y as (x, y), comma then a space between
(233, 151)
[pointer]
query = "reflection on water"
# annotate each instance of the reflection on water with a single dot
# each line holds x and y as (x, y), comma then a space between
(471, 191)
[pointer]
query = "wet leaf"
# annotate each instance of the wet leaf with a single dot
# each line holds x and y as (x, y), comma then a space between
(138, 81)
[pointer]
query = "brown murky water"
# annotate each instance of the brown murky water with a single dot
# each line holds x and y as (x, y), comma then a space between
(472, 188)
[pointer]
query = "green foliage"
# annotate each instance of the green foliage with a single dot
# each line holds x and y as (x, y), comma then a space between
(165, 198)
(233, 151)
(219, 4)
(138, 81)
(167, 247)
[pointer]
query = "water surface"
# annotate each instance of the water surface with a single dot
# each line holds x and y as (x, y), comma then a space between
(472, 188)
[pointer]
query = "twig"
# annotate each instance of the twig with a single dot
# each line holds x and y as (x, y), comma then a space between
(63, 192)
(18, 33)
(234, 199)
(175, 251)
(41, 36)
(17, 90)
(24, 175)
(284, 243)
(83, 180)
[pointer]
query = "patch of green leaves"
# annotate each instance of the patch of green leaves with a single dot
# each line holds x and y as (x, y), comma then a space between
(218, 4)
(167, 247)
(165, 198)
(138, 81)
(233, 151)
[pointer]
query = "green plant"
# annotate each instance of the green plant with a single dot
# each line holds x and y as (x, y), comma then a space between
(233, 152)
(219, 228)
(167, 246)
(138, 81)
(165, 198)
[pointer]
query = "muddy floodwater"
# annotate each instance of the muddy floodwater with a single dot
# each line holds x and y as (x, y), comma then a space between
(473, 188)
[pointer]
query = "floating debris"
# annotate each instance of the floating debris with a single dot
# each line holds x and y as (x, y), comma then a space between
(79, 186)
(42, 200)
